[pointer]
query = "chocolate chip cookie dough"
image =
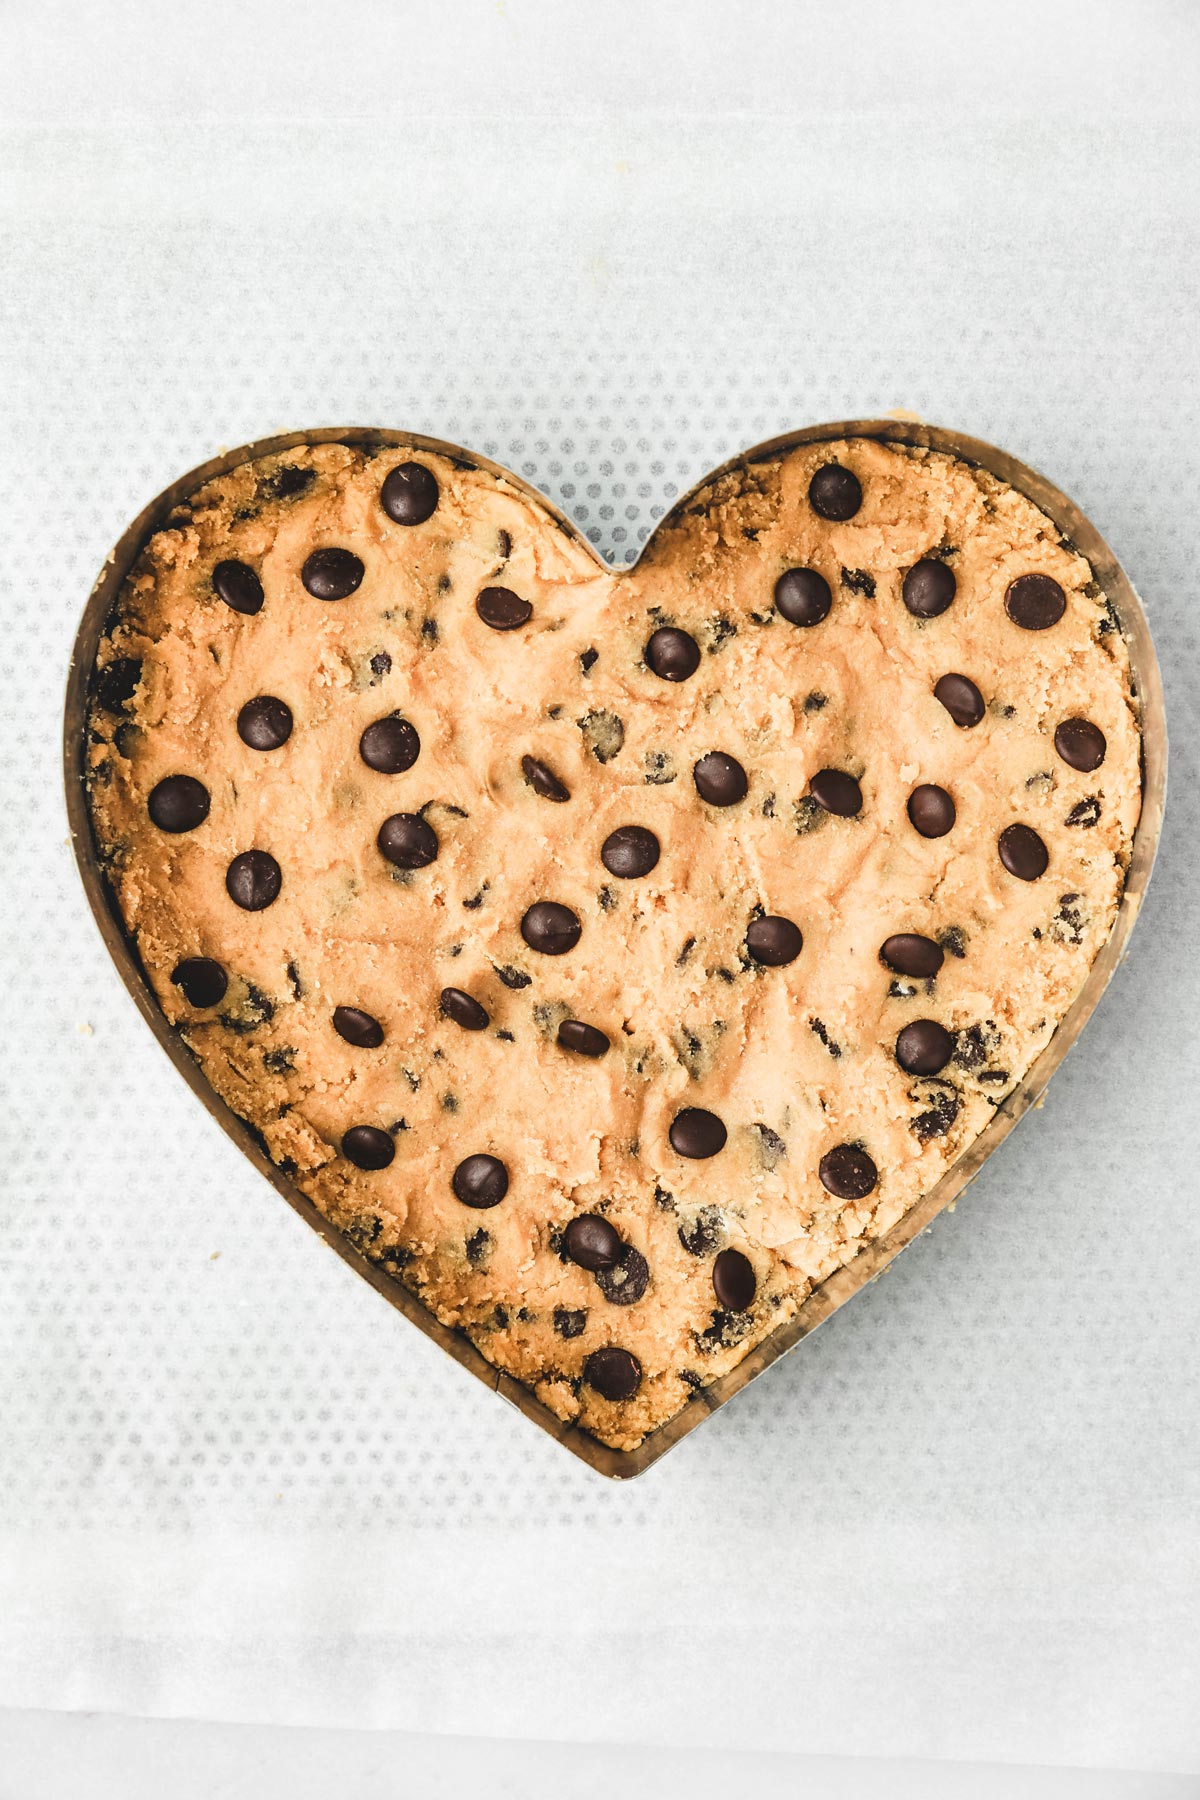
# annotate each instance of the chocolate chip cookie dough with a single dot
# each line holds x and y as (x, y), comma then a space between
(613, 957)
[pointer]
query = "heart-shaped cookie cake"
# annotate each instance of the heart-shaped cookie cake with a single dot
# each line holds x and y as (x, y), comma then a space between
(612, 956)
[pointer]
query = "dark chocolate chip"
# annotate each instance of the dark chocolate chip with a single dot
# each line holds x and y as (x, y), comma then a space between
(1034, 602)
(774, 941)
(265, 723)
(837, 792)
(1081, 744)
(253, 880)
(569, 1322)
(1085, 812)
(936, 1122)
(237, 584)
(551, 928)
(288, 481)
(463, 1009)
(1022, 852)
(381, 664)
(179, 803)
(924, 1047)
(409, 493)
(629, 850)
(696, 1133)
(928, 588)
(910, 954)
(802, 597)
(627, 1280)
(720, 779)
(512, 978)
(859, 581)
(931, 810)
(835, 492)
(357, 1027)
(389, 746)
(117, 682)
(543, 780)
(961, 699)
(588, 660)
(592, 1242)
(672, 654)
(503, 610)
(701, 1235)
(585, 1040)
(367, 1147)
(479, 1247)
(848, 1173)
(332, 574)
(481, 1181)
(734, 1281)
(615, 1374)
(408, 841)
(203, 981)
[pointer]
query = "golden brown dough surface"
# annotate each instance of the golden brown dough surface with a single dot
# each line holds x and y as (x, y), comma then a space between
(794, 1060)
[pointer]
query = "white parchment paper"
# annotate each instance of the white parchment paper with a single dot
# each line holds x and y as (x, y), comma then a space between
(608, 246)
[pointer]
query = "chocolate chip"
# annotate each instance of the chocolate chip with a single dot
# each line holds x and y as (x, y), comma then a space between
(835, 492)
(237, 584)
(265, 723)
(389, 746)
(615, 1374)
(630, 850)
(924, 1047)
(203, 981)
(627, 1280)
(910, 954)
(253, 880)
(936, 1122)
(409, 493)
(480, 1181)
(1022, 852)
(588, 660)
(848, 1173)
(1081, 744)
(551, 928)
(859, 581)
(720, 779)
(1085, 812)
(928, 588)
(734, 1281)
(592, 1242)
(931, 810)
(696, 1133)
(543, 780)
(406, 840)
(288, 481)
(837, 792)
(672, 654)
(1034, 602)
(585, 1040)
(381, 664)
(701, 1235)
(512, 978)
(179, 803)
(117, 682)
(367, 1147)
(463, 1009)
(503, 610)
(773, 941)
(802, 597)
(479, 1247)
(568, 1322)
(332, 574)
(961, 699)
(357, 1027)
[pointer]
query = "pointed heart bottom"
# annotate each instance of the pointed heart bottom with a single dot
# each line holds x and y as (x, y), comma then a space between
(613, 956)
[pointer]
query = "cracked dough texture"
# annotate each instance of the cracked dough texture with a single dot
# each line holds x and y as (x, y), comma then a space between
(795, 1059)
